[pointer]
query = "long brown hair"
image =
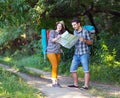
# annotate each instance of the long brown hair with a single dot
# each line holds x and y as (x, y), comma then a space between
(63, 28)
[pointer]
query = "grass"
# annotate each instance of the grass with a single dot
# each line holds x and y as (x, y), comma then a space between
(99, 92)
(98, 73)
(102, 92)
(12, 86)
(25, 70)
(35, 61)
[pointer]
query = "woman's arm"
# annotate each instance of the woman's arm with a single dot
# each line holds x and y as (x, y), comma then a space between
(56, 38)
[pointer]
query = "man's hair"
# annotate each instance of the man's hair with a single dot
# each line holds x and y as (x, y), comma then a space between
(75, 20)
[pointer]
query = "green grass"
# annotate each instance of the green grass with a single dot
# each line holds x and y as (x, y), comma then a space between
(25, 70)
(102, 92)
(37, 61)
(99, 73)
(12, 86)
(106, 74)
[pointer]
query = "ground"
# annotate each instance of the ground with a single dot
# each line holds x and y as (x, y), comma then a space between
(43, 84)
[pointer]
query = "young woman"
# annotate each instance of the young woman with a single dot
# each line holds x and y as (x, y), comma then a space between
(54, 50)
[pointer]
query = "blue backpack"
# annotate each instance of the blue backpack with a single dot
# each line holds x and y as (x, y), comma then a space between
(91, 30)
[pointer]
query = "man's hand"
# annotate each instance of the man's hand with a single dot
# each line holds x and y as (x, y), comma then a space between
(82, 39)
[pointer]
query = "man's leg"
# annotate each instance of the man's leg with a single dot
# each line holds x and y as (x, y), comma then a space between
(85, 64)
(87, 78)
(75, 78)
(73, 70)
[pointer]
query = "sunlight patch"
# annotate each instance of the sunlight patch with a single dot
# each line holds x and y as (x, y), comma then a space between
(7, 59)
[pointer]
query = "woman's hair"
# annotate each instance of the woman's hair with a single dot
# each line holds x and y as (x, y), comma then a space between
(63, 27)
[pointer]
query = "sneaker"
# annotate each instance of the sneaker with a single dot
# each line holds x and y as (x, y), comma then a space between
(84, 88)
(73, 86)
(56, 85)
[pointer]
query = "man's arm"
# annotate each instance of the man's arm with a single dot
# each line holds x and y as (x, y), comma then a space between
(88, 39)
(89, 42)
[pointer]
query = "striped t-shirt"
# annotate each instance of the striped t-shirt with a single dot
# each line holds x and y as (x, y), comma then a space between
(82, 47)
(53, 47)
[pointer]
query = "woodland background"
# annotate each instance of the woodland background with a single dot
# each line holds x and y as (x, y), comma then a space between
(20, 38)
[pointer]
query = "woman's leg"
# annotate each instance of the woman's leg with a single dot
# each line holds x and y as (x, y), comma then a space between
(58, 58)
(54, 60)
(58, 61)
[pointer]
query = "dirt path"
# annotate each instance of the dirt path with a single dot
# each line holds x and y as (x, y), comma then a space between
(44, 85)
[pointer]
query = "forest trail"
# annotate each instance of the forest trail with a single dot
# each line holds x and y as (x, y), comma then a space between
(43, 84)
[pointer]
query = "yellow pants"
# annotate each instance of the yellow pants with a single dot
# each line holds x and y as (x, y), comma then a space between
(54, 60)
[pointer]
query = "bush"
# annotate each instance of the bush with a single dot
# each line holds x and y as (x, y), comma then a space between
(105, 65)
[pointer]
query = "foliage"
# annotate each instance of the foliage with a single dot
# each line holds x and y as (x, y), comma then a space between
(7, 34)
(25, 17)
(64, 67)
(22, 20)
(105, 62)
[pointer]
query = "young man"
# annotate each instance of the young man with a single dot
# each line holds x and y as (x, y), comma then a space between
(81, 55)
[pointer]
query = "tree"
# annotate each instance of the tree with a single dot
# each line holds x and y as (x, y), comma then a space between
(79, 8)
(19, 17)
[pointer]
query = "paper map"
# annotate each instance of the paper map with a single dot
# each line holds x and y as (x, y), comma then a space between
(67, 40)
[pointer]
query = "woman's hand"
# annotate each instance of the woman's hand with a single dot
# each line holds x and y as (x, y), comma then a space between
(58, 36)
(55, 39)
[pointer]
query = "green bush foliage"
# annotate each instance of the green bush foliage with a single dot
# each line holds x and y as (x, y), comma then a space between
(22, 20)
(105, 64)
